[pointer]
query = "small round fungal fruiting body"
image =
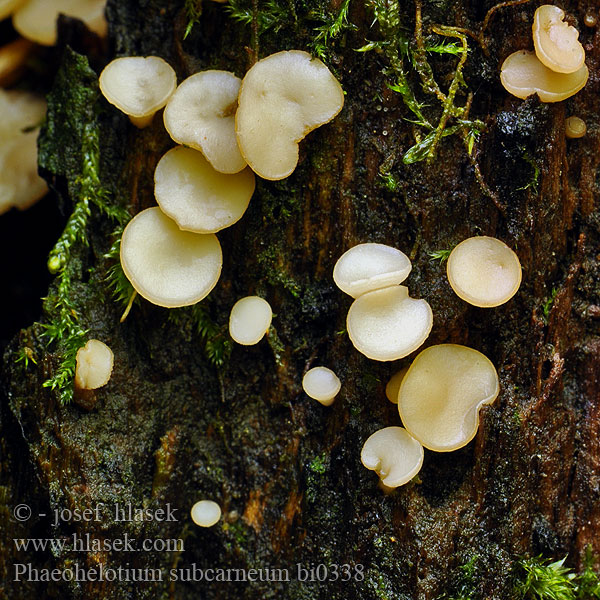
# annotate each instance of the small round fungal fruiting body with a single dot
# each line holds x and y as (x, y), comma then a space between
(283, 97)
(197, 197)
(138, 86)
(523, 75)
(94, 365)
(167, 266)
(387, 324)
(393, 385)
(442, 393)
(590, 20)
(555, 41)
(206, 513)
(484, 271)
(394, 455)
(368, 267)
(249, 320)
(321, 384)
(575, 127)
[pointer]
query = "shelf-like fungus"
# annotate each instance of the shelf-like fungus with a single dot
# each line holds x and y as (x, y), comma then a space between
(394, 455)
(555, 41)
(94, 365)
(442, 393)
(321, 384)
(138, 86)
(249, 320)
(523, 75)
(283, 97)
(36, 19)
(393, 385)
(201, 114)
(484, 271)
(368, 267)
(575, 127)
(387, 324)
(206, 513)
(167, 266)
(197, 197)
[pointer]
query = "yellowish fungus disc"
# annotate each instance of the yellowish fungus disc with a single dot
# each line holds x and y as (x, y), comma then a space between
(7, 7)
(393, 385)
(368, 267)
(484, 271)
(387, 324)
(575, 127)
(442, 393)
(555, 41)
(197, 197)
(523, 75)
(206, 513)
(94, 365)
(283, 97)
(249, 320)
(394, 455)
(167, 266)
(321, 384)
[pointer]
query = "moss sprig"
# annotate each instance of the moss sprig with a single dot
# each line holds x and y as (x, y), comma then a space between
(546, 580)
(333, 26)
(193, 12)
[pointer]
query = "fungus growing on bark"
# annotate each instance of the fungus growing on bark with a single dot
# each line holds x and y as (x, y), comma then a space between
(555, 41)
(138, 86)
(249, 320)
(387, 324)
(206, 513)
(283, 97)
(94, 365)
(201, 114)
(197, 197)
(36, 19)
(165, 265)
(368, 267)
(321, 384)
(394, 455)
(442, 393)
(575, 127)
(590, 19)
(523, 75)
(484, 271)
(393, 385)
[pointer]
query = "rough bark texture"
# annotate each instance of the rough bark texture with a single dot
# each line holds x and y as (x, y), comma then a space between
(172, 428)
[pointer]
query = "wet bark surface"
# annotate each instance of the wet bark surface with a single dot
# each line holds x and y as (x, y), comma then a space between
(170, 428)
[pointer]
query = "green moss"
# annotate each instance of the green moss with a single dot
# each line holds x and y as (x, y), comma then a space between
(319, 464)
(547, 306)
(441, 255)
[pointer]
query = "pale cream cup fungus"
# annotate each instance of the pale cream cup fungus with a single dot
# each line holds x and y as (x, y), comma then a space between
(523, 74)
(442, 393)
(206, 513)
(7, 7)
(138, 86)
(94, 365)
(249, 320)
(36, 19)
(393, 385)
(484, 271)
(387, 324)
(322, 385)
(283, 97)
(197, 197)
(201, 115)
(555, 41)
(370, 266)
(575, 127)
(394, 455)
(167, 266)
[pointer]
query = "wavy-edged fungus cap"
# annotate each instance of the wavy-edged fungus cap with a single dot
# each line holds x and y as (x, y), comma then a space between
(201, 114)
(249, 320)
(394, 455)
(197, 197)
(139, 86)
(283, 97)
(36, 19)
(206, 513)
(555, 41)
(94, 365)
(393, 385)
(387, 324)
(321, 384)
(523, 74)
(442, 393)
(368, 267)
(575, 127)
(167, 266)
(20, 184)
(484, 271)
